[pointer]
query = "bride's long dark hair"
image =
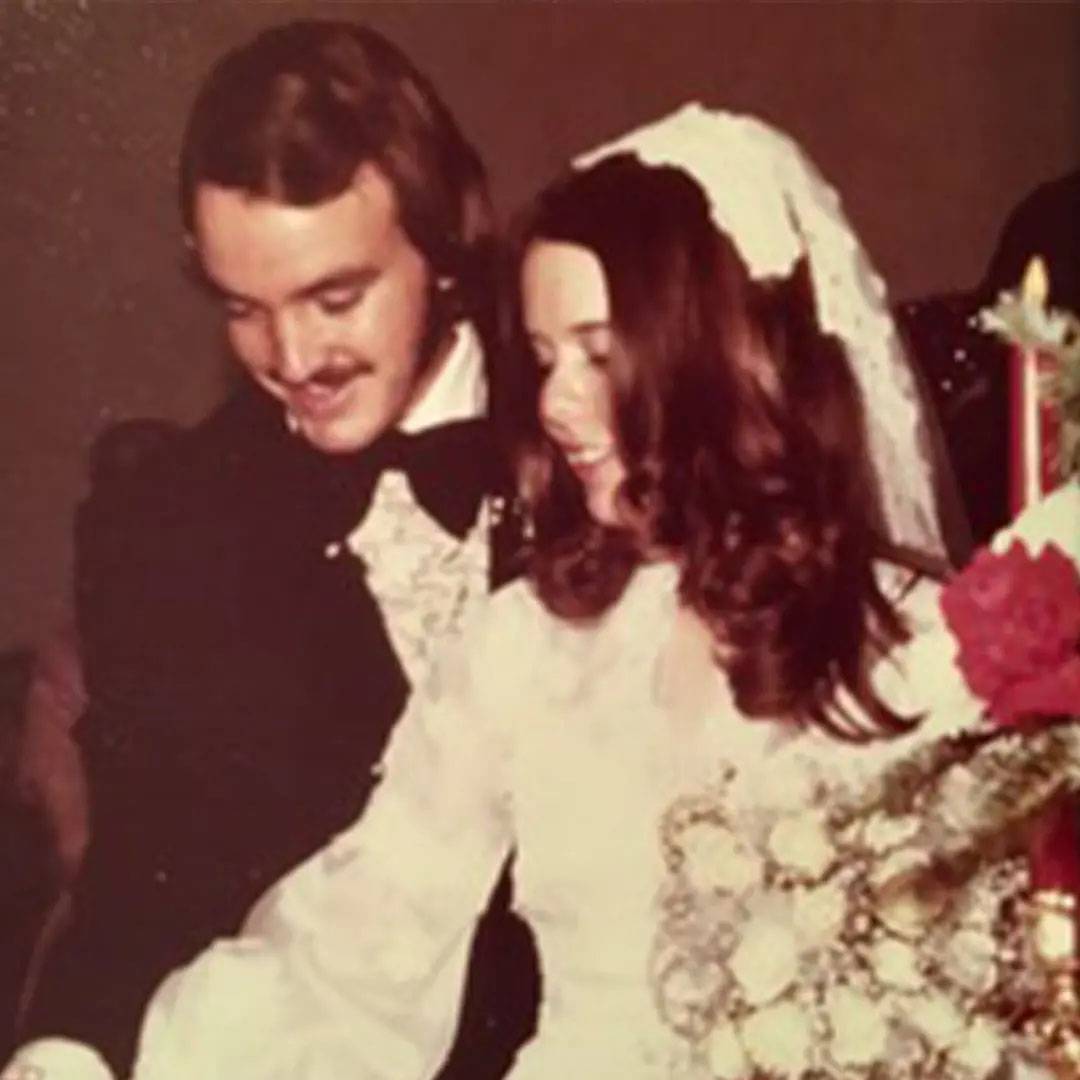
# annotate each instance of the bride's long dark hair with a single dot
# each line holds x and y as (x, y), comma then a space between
(742, 431)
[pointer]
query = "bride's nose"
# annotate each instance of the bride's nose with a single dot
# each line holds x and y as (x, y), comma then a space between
(566, 391)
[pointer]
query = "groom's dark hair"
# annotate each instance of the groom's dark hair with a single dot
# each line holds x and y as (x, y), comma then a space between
(291, 116)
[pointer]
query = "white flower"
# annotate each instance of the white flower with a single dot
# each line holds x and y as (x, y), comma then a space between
(897, 867)
(724, 1053)
(980, 1047)
(1053, 934)
(903, 908)
(689, 988)
(959, 803)
(908, 913)
(817, 914)
(791, 785)
(779, 1039)
(1022, 316)
(882, 832)
(935, 1017)
(802, 843)
(896, 964)
(717, 861)
(859, 1030)
(1055, 519)
(766, 961)
(969, 959)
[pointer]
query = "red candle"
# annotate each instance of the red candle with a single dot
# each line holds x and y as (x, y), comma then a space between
(1035, 469)
(1035, 429)
(1055, 847)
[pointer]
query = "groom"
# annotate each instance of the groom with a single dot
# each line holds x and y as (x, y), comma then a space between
(256, 595)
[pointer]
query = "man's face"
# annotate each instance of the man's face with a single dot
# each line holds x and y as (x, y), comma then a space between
(326, 305)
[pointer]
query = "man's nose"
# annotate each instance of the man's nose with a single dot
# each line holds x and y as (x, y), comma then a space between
(296, 346)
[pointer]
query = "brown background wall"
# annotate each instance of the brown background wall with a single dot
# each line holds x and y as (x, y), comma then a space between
(932, 120)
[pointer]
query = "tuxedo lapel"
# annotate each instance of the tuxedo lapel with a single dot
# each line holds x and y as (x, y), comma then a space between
(506, 538)
(210, 604)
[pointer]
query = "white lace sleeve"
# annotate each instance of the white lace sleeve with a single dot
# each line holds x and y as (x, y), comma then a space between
(352, 966)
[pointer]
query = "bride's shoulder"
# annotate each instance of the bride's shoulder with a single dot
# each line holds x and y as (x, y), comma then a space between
(512, 607)
(508, 626)
(514, 638)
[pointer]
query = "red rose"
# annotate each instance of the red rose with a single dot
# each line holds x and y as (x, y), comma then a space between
(1017, 622)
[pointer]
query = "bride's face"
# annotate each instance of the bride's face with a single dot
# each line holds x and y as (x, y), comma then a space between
(567, 316)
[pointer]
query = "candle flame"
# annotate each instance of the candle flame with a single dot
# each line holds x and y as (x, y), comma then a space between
(1035, 286)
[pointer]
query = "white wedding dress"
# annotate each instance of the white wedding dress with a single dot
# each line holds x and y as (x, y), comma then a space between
(559, 744)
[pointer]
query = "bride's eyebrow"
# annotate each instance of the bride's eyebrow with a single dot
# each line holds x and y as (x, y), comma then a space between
(594, 335)
(584, 330)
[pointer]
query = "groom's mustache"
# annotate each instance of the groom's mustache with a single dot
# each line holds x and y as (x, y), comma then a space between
(330, 378)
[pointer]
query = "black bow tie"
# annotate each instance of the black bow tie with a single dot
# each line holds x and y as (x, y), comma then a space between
(449, 469)
(310, 499)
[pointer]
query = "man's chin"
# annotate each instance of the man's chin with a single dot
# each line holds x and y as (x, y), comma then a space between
(335, 438)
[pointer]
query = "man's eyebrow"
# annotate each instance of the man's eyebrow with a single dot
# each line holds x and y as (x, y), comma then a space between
(348, 277)
(206, 283)
(351, 277)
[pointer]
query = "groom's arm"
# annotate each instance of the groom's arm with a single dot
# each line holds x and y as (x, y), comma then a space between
(99, 972)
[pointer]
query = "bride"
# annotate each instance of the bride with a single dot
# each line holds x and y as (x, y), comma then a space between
(700, 726)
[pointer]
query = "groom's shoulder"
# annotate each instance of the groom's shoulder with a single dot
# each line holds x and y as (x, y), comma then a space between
(154, 467)
(163, 536)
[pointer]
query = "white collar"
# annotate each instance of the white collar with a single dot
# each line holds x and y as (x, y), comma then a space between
(459, 390)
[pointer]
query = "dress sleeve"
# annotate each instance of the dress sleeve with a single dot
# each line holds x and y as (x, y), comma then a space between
(353, 965)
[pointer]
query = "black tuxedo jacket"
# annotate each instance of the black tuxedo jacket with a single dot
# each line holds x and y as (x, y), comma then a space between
(242, 686)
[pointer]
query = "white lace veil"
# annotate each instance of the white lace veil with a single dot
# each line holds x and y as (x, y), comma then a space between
(775, 206)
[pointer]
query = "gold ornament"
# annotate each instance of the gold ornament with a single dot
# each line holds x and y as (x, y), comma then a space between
(1054, 937)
